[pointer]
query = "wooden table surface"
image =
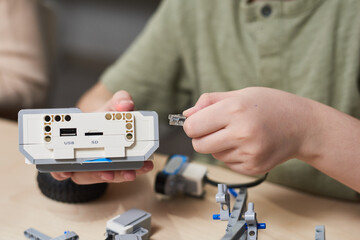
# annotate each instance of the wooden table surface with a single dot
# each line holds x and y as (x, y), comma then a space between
(288, 214)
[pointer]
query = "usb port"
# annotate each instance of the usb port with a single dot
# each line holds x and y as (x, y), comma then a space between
(94, 134)
(67, 132)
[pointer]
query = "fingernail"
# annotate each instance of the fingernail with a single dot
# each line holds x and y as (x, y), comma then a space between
(107, 176)
(187, 111)
(124, 105)
(125, 102)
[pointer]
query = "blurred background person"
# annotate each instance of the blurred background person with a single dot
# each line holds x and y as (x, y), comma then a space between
(23, 77)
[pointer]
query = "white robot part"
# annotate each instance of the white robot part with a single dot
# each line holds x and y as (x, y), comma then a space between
(194, 174)
(181, 176)
(70, 140)
(132, 222)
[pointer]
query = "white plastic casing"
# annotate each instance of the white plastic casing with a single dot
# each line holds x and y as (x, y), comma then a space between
(130, 222)
(195, 173)
(71, 136)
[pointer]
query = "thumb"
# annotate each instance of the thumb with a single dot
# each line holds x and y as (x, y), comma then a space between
(120, 101)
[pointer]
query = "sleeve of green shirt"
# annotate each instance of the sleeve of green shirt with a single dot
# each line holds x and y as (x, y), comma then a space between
(149, 69)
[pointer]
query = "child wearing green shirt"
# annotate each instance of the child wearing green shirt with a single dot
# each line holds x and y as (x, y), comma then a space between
(271, 85)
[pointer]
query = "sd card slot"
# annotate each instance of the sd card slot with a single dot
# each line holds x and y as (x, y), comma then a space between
(94, 134)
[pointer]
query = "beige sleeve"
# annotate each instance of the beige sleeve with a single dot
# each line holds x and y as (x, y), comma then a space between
(23, 78)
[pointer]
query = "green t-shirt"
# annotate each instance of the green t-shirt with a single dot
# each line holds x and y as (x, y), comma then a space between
(307, 47)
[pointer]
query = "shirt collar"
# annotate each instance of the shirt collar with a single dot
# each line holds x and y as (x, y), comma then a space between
(254, 11)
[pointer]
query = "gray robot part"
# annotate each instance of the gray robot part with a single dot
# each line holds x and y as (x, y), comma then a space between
(128, 237)
(33, 234)
(180, 176)
(170, 178)
(241, 225)
(67, 236)
(251, 221)
(320, 232)
(236, 232)
(236, 228)
(132, 222)
(223, 198)
(75, 167)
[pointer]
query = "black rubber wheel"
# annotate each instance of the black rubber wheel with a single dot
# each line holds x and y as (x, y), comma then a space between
(67, 191)
(160, 182)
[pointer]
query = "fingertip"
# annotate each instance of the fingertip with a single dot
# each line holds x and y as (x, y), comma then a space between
(148, 165)
(56, 176)
(188, 112)
(124, 105)
(122, 95)
(60, 176)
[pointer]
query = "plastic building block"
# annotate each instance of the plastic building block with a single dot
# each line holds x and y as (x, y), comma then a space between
(176, 119)
(233, 192)
(180, 176)
(69, 140)
(67, 236)
(236, 228)
(223, 198)
(241, 225)
(133, 222)
(33, 234)
(320, 232)
(128, 237)
(251, 222)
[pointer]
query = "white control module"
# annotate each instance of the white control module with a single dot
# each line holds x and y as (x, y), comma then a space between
(70, 140)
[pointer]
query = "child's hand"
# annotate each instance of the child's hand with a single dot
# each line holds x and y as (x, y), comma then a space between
(121, 101)
(104, 176)
(251, 130)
